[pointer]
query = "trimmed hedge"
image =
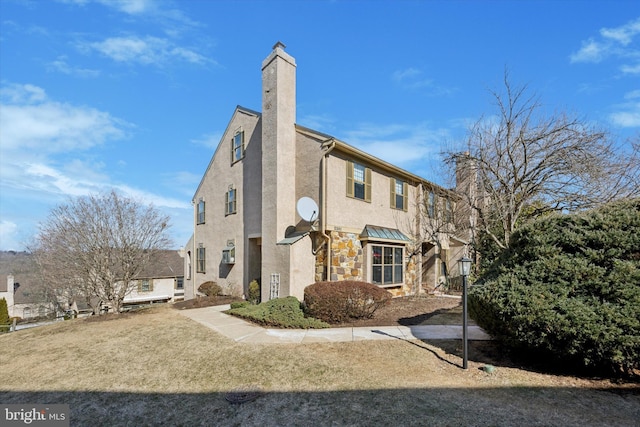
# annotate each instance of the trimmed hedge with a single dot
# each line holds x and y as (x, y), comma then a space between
(281, 312)
(338, 302)
(569, 287)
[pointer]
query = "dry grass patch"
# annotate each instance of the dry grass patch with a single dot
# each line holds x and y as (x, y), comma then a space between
(160, 367)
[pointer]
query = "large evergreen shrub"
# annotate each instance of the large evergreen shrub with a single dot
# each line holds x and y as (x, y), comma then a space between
(569, 287)
(4, 316)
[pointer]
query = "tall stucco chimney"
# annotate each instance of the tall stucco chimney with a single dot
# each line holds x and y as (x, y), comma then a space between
(278, 158)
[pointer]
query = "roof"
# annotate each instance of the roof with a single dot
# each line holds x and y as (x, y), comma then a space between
(369, 158)
(374, 232)
(165, 263)
(3, 283)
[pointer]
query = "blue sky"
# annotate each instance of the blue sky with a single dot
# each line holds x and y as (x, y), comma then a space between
(135, 94)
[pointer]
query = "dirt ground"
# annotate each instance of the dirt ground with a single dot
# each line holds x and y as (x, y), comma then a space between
(406, 311)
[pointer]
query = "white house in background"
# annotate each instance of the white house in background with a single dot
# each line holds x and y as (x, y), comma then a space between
(24, 299)
(288, 206)
(161, 281)
(6, 291)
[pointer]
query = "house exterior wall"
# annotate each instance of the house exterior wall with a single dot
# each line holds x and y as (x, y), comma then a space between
(7, 294)
(220, 229)
(162, 289)
(284, 162)
(278, 160)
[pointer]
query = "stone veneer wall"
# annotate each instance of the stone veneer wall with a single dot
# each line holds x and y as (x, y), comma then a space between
(347, 261)
(321, 256)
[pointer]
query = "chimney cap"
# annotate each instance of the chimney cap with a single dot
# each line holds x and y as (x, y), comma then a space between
(279, 44)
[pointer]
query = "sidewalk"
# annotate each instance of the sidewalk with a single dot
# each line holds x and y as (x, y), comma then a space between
(245, 332)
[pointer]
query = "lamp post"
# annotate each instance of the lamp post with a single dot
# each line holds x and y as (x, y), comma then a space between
(465, 268)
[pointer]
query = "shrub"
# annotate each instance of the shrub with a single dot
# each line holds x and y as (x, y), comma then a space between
(239, 304)
(280, 312)
(569, 287)
(337, 302)
(254, 292)
(210, 289)
(4, 316)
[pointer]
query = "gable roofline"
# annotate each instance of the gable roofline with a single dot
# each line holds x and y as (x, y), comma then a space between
(371, 159)
(238, 109)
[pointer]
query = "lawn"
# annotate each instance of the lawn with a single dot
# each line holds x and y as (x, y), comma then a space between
(158, 367)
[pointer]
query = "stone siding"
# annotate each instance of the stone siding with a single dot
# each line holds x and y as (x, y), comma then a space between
(347, 261)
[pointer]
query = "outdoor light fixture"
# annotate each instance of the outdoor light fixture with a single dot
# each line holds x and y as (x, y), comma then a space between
(465, 266)
(465, 269)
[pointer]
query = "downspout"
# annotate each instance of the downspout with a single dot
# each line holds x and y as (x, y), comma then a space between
(323, 208)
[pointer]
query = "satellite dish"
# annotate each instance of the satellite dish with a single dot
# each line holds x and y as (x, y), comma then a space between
(307, 209)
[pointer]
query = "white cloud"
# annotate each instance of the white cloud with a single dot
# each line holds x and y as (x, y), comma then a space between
(8, 235)
(623, 34)
(413, 79)
(30, 121)
(628, 117)
(60, 65)
(210, 140)
(146, 51)
(613, 43)
(591, 51)
(630, 69)
(399, 144)
(132, 7)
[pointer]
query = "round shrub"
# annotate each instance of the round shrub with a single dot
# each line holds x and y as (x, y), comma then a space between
(338, 302)
(569, 288)
(210, 289)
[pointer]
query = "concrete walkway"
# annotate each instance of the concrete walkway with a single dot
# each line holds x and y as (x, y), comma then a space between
(245, 332)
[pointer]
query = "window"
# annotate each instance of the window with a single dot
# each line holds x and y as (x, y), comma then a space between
(229, 255)
(398, 194)
(201, 211)
(448, 210)
(387, 265)
(26, 312)
(230, 202)
(179, 282)
(145, 285)
(431, 204)
(200, 260)
(237, 146)
(358, 181)
(189, 265)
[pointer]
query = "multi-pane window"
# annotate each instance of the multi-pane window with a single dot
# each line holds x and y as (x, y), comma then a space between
(200, 260)
(386, 265)
(358, 181)
(237, 146)
(201, 211)
(145, 285)
(431, 204)
(180, 282)
(230, 201)
(448, 210)
(398, 194)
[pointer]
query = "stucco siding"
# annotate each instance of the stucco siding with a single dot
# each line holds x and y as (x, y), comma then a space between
(219, 228)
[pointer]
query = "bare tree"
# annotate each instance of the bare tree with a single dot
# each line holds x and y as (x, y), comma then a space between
(94, 246)
(527, 161)
(435, 225)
